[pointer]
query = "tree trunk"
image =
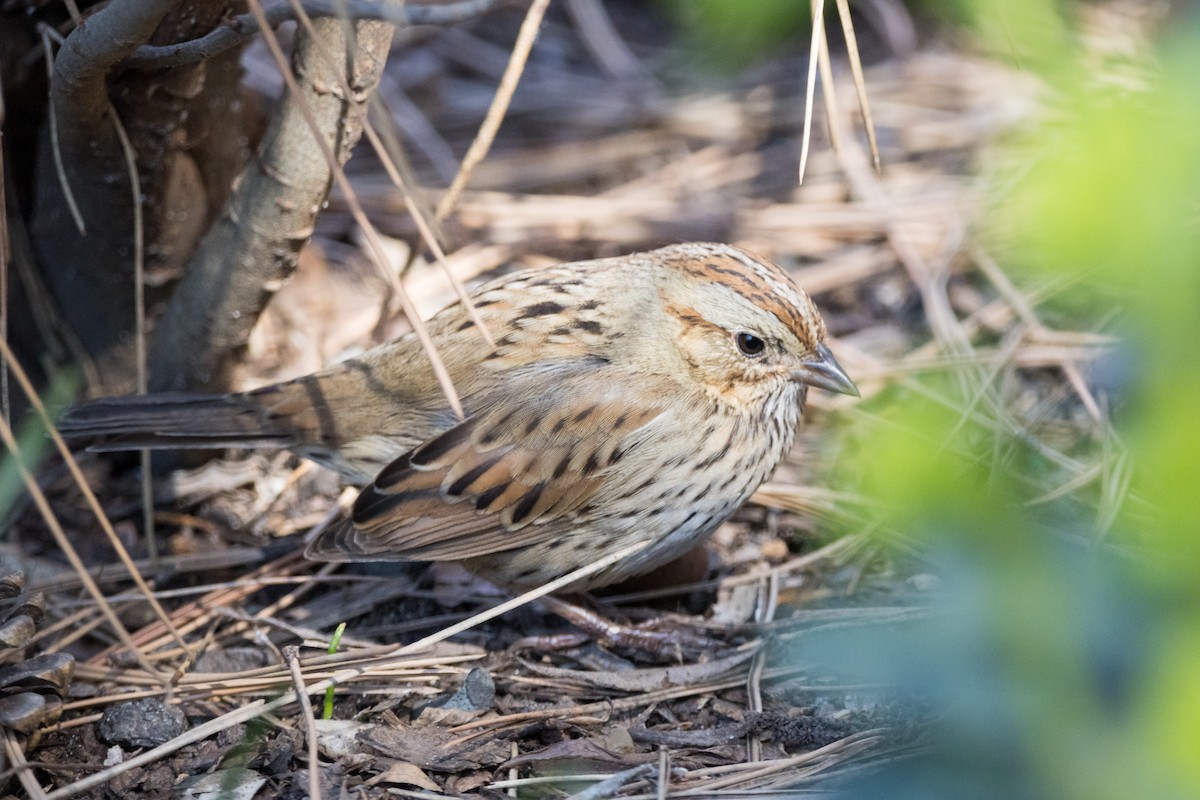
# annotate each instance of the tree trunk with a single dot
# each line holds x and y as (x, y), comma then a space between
(252, 248)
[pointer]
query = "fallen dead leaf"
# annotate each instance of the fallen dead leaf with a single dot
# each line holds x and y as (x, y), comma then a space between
(647, 680)
(430, 748)
(403, 773)
(592, 755)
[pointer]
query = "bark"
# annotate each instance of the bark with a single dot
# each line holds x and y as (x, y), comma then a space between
(156, 107)
(252, 248)
(87, 272)
(218, 132)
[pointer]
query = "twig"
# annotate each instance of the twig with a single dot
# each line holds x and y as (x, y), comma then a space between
(611, 785)
(55, 148)
(291, 656)
(605, 707)
(601, 39)
(768, 602)
(860, 83)
(664, 773)
(245, 26)
(91, 156)
(499, 107)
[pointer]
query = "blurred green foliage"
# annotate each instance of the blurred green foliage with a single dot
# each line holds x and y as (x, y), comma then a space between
(1034, 34)
(728, 35)
(1114, 202)
(1063, 655)
(33, 440)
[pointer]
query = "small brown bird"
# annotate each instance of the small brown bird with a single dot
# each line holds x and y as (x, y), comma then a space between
(629, 399)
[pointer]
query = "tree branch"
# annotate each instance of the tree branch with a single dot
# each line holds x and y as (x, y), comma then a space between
(242, 27)
(253, 246)
(96, 299)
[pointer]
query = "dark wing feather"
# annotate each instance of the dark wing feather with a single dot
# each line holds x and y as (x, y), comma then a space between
(505, 478)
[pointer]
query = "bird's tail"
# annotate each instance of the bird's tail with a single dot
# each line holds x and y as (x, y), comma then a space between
(173, 420)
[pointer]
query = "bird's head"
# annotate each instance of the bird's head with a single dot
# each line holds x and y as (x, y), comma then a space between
(743, 328)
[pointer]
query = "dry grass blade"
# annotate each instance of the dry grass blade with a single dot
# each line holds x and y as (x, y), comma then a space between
(375, 665)
(139, 324)
(749, 776)
(260, 707)
(193, 616)
(664, 773)
(860, 84)
(828, 93)
(378, 251)
(930, 279)
(15, 757)
(1116, 479)
(499, 107)
(810, 86)
(93, 504)
(60, 538)
(1024, 308)
(981, 392)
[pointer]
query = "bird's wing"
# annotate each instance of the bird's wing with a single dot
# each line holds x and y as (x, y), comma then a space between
(502, 479)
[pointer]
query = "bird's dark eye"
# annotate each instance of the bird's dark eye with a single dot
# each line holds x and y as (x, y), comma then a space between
(749, 344)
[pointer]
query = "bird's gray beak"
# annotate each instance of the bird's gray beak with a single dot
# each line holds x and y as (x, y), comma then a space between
(825, 372)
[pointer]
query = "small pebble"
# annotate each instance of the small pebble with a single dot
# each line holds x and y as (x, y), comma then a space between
(141, 723)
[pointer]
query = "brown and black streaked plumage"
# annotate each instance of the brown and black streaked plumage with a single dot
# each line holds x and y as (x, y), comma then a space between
(636, 398)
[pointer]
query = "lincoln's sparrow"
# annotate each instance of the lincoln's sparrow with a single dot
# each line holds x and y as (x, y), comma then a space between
(627, 399)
